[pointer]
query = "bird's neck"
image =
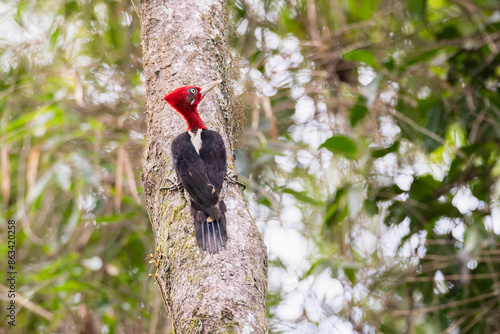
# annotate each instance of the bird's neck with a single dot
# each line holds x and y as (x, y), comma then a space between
(193, 120)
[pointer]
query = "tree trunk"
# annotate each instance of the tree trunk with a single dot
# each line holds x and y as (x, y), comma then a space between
(185, 43)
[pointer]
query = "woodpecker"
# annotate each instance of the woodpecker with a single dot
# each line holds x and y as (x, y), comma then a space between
(199, 160)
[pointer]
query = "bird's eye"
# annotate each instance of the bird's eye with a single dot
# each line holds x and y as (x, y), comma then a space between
(192, 90)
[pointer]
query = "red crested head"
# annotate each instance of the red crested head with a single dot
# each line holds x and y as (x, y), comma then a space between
(185, 101)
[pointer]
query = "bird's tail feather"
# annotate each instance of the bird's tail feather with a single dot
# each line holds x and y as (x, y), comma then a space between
(212, 236)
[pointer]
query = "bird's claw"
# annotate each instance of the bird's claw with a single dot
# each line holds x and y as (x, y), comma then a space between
(174, 186)
(233, 178)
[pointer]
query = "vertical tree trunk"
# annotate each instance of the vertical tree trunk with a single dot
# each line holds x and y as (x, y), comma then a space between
(185, 43)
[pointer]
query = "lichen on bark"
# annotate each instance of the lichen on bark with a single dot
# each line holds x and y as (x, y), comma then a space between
(186, 43)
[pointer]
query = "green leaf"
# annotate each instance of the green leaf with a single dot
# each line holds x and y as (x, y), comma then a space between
(370, 206)
(424, 188)
(288, 23)
(341, 145)
(71, 8)
(361, 9)
(21, 8)
(319, 266)
(389, 63)
(114, 218)
(383, 152)
(396, 213)
(437, 124)
(54, 37)
(358, 112)
(337, 209)
(264, 201)
(301, 196)
(416, 8)
(362, 56)
(448, 32)
(350, 272)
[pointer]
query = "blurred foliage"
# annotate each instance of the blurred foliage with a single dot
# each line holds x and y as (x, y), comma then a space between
(72, 134)
(404, 95)
(371, 159)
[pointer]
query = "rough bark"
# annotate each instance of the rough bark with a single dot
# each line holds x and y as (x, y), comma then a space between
(185, 43)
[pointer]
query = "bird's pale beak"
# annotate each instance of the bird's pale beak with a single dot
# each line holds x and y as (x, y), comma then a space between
(208, 87)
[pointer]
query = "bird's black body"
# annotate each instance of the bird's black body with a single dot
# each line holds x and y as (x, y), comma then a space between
(199, 159)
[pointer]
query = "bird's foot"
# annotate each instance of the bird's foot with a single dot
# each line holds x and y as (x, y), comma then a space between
(174, 186)
(232, 177)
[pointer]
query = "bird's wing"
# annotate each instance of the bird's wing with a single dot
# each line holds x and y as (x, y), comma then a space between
(191, 170)
(213, 153)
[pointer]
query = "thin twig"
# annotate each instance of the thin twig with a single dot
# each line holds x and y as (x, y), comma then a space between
(453, 277)
(446, 305)
(26, 303)
(135, 8)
